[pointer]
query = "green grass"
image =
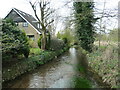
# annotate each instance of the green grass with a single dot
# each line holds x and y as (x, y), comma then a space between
(81, 82)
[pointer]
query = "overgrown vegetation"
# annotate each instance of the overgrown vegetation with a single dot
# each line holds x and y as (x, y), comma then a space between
(104, 59)
(105, 62)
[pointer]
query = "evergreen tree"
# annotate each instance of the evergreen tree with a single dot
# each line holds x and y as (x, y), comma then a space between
(84, 21)
(14, 41)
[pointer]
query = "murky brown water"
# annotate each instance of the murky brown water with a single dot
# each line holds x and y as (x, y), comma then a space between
(55, 74)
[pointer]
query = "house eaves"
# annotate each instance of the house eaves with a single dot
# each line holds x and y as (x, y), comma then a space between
(26, 20)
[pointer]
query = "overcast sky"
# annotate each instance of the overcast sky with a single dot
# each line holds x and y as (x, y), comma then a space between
(23, 5)
(7, 5)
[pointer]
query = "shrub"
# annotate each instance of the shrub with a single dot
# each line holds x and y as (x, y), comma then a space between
(105, 62)
(14, 41)
(65, 40)
(31, 43)
(56, 44)
(35, 51)
(26, 51)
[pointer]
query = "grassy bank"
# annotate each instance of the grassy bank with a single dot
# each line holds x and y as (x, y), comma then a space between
(104, 61)
(82, 82)
(36, 59)
(87, 77)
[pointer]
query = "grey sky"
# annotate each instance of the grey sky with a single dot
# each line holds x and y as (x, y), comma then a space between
(7, 5)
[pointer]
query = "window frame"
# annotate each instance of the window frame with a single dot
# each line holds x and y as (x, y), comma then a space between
(25, 24)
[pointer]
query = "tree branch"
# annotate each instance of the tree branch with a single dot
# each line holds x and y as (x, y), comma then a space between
(49, 22)
(34, 9)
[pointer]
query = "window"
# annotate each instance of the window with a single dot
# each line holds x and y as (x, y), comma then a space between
(31, 37)
(38, 25)
(25, 24)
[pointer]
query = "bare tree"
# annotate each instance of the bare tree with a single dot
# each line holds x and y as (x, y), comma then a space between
(104, 18)
(44, 19)
(101, 22)
(54, 25)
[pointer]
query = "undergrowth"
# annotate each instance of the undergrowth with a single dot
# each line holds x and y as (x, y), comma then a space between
(104, 60)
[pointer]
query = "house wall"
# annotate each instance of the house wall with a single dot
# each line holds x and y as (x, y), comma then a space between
(30, 31)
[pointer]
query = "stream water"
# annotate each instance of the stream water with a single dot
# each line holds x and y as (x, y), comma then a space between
(55, 74)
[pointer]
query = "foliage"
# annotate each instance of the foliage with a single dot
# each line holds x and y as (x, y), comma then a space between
(56, 44)
(14, 41)
(104, 37)
(65, 40)
(24, 48)
(39, 41)
(52, 43)
(113, 35)
(67, 36)
(35, 51)
(58, 35)
(30, 63)
(81, 82)
(105, 62)
(84, 20)
(48, 40)
(31, 43)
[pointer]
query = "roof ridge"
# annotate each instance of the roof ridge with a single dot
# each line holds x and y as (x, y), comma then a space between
(27, 17)
(22, 11)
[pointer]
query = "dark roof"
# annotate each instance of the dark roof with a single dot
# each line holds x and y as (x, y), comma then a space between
(28, 18)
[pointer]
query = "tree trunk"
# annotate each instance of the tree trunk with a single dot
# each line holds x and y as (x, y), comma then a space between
(99, 41)
(43, 43)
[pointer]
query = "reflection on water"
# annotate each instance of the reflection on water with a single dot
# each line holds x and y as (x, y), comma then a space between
(55, 74)
(73, 55)
(72, 51)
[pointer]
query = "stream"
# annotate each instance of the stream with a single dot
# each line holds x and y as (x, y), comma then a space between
(57, 73)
